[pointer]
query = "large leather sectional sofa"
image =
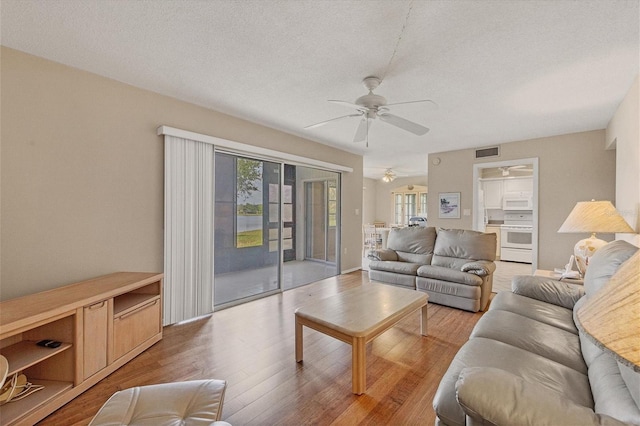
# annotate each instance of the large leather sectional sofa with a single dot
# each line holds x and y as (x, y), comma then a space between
(454, 266)
(527, 363)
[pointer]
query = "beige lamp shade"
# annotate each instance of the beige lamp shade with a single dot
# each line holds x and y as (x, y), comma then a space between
(611, 317)
(591, 217)
(595, 216)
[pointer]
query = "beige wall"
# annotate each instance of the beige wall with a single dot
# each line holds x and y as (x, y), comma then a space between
(572, 168)
(623, 133)
(369, 200)
(82, 173)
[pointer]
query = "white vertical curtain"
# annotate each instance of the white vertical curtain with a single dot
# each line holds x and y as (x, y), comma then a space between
(189, 229)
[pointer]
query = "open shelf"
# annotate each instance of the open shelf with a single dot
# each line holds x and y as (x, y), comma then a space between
(125, 302)
(26, 353)
(12, 411)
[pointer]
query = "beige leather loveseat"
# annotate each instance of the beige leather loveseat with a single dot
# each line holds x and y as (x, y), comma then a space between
(526, 363)
(454, 266)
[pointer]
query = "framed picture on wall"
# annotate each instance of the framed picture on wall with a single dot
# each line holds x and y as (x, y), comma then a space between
(449, 207)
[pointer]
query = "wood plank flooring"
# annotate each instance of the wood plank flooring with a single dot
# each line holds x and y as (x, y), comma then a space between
(252, 347)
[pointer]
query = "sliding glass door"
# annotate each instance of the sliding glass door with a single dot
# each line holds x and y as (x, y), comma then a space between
(320, 220)
(263, 221)
(316, 228)
(247, 228)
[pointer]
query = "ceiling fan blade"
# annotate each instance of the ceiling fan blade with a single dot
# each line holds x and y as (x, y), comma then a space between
(435, 105)
(363, 130)
(404, 124)
(347, 104)
(322, 123)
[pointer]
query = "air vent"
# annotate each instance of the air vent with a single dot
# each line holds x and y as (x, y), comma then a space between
(488, 152)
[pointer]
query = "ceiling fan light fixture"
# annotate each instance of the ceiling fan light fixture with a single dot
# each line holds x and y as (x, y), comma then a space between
(388, 176)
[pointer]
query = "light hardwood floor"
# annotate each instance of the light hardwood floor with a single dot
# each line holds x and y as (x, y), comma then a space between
(252, 347)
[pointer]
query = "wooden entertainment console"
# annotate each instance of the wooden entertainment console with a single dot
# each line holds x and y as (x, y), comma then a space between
(102, 323)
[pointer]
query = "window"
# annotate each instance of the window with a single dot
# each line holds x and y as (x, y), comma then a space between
(249, 203)
(332, 205)
(409, 203)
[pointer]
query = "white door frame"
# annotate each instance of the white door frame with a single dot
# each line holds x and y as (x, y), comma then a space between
(507, 163)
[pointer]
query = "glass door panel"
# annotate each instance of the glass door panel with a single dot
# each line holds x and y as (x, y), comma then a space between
(398, 208)
(410, 207)
(316, 227)
(247, 228)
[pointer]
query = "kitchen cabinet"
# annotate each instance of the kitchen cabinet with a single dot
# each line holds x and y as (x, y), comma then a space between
(518, 184)
(494, 229)
(101, 323)
(493, 190)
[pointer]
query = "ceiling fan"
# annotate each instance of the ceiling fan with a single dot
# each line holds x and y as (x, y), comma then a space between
(390, 175)
(372, 106)
(507, 169)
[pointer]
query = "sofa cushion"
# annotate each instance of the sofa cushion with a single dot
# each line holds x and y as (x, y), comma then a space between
(465, 244)
(460, 296)
(432, 286)
(590, 351)
(413, 244)
(604, 263)
(558, 379)
(538, 310)
(533, 336)
(446, 274)
(408, 281)
(422, 259)
(382, 254)
(610, 393)
(632, 380)
(490, 396)
(405, 268)
(548, 290)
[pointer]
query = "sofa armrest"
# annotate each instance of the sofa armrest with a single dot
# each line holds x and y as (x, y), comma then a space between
(481, 268)
(497, 397)
(382, 254)
(547, 290)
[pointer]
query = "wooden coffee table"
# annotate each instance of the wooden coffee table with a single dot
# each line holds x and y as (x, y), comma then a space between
(357, 316)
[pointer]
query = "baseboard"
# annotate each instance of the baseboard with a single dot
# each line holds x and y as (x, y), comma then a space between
(347, 271)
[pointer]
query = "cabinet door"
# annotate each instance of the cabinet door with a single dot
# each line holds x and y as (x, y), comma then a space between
(495, 230)
(95, 338)
(518, 185)
(136, 326)
(492, 194)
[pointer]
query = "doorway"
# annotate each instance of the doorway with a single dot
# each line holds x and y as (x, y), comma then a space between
(320, 220)
(506, 177)
(316, 228)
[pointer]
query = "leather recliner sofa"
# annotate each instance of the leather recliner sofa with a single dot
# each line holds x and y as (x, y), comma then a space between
(454, 266)
(527, 363)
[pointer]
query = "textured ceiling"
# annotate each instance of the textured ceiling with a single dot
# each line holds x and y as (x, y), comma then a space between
(499, 70)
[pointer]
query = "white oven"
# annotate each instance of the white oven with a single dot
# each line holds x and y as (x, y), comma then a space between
(516, 238)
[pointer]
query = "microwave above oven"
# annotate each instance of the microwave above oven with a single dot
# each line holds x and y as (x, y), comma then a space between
(517, 201)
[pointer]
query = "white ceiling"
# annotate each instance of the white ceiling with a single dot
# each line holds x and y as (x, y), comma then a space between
(499, 70)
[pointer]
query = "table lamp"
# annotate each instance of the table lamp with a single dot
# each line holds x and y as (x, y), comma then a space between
(611, 317)
(592, 216)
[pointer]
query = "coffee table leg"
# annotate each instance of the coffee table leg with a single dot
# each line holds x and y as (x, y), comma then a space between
(358, 366)
(298, 340)
(423, 325)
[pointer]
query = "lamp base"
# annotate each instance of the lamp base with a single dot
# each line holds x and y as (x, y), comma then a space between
(584, 249)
